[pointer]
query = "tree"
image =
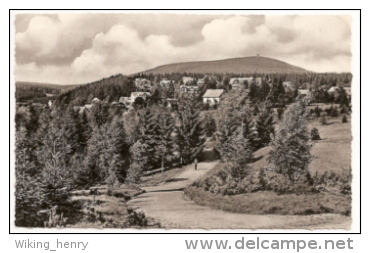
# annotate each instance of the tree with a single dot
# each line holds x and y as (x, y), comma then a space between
(237, 154)
(55, 154)
(265, 125)
(190, 132)
(209, 125)
(107, 143)
(166, 140)
(148, 128)
(291, 146)
(26, 188)
(139, 161)
(315, 135)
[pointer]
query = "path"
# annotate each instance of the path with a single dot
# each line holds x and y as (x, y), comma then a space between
(167, 204)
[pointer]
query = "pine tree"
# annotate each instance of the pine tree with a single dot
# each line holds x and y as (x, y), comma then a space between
(165, 132)
(149, 136)
(265, 125)
(291, 146)
(190, 132)
(106, 143)
(26, 188)
(239, 154)
(209, 125)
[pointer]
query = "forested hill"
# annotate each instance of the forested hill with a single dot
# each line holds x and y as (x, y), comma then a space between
(38, 92)
(111, 88)
(254, 64)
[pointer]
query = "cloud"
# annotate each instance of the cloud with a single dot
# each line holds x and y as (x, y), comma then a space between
(72, 48)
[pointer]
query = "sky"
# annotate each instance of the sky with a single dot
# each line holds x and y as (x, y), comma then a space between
(71, 48)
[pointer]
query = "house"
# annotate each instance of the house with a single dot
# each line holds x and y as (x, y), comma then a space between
(287, 84)
(143, 84)
(79, 109)
(129, 100)
(187, 79)
(189, 89)
(201, 81)
(165, 83)
(95, 100)
(50, 103)
(333, 90)
(212, 97)
(137, 94)
(240, 82)
(171, 102)
(303, 92)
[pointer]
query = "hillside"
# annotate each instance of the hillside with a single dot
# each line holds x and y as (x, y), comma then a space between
(252, 64)
(61, 88)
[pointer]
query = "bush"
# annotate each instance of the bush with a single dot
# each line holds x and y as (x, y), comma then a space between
(315, 135)
(344, 119)
(323, 121)
(136, 219)
(334, 112)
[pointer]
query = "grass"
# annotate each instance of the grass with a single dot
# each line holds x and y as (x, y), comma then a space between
(158, 178)
(104, 210)
(271, 203)
(331, 153)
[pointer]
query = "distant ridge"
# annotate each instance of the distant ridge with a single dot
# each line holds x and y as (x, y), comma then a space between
(253, 64)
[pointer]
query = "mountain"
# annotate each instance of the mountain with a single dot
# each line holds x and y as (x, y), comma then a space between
(254, 64)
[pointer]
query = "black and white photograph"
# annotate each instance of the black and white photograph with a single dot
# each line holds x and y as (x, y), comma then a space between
(192, 120)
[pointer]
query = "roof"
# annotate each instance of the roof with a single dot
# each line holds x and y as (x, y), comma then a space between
(213, 93)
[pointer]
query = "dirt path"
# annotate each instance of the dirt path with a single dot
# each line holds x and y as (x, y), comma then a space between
(167, 204)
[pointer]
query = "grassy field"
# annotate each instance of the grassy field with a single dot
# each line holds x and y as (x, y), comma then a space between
(331, 153)
(271, 203)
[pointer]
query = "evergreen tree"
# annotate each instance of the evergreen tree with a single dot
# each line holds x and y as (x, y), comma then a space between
(165, 132)
(26, 186)
(291, 146)
(149, 136)
(209, 125)
(265, 125)
(190, 131)
(238, 153)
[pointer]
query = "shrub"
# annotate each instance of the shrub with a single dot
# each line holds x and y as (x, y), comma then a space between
(136, 219)
(334, 112)
(344, 119)
(323, 121)
(134, 173)
(315, 135)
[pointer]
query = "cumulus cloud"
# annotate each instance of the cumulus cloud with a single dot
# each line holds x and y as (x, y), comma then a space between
(72, 48)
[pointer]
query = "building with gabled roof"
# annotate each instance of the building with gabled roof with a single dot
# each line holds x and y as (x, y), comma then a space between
(212, 96)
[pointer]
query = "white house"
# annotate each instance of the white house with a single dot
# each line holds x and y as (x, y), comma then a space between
(212, 97)
(189, 89)
(304, 92)
(129, 100)
(187, 79)
(238, 82)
